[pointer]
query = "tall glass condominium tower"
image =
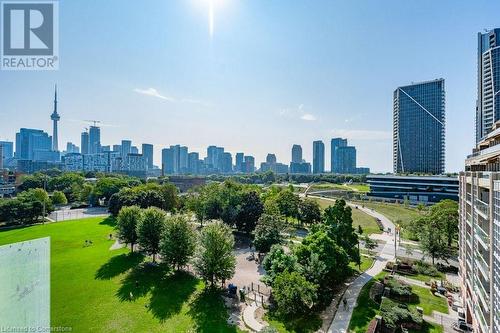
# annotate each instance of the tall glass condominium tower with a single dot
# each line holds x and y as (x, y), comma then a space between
(419, 128)
(488, 85)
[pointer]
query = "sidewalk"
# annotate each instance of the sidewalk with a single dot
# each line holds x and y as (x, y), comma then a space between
(342, 318)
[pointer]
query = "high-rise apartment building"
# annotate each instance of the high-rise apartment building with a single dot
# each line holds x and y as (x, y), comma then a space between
(479, 196)
(72, 148)
(488, 82)
(318, 157)
(126, 148)
(8, 149)
(419, 128)
(334, 160)
(94, 140)
(345, 160)
(84, 143)
(147, 152)
(194, 163)
(296, 154)
(239, 162)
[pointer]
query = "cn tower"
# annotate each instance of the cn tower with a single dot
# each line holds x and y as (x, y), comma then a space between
(55, 118)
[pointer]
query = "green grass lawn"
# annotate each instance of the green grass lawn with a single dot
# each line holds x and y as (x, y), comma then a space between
(366, 263)
(94, 289)
(366, 308)
(294, 325)
(366, 221)
(345, 187)
(426, 278)
(394, 212)
(427, 301)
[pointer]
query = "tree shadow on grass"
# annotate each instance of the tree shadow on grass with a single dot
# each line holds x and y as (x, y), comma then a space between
(306, 323)
(110, 220)
(209, 312)
(169, 291)
(118, 265)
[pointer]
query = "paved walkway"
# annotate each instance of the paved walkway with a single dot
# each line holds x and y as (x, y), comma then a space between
(249, 318)
(340, 323)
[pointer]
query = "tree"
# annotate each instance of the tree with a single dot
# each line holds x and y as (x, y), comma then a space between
(214, 260)
(294, 295)
(288, 203)
(276, 262)
(433, 241)
(126, 224)
(250, 211)
(309, 211)
(445, 213)
(314, 269)
(369, 243)
(149, 230)
(38, 197)
(338, 218)
(58, 198)
(178, 241)
(329, 252)
(268, 232)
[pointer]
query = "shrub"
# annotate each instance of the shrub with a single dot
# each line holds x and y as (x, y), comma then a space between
(395, 314)
(423, 268)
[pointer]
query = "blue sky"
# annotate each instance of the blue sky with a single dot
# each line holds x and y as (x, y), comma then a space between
(273, 73)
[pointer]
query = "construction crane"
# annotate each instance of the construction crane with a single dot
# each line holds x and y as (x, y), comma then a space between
(94, 121)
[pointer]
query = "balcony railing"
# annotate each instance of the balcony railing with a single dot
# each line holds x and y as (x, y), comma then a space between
(483, 237)
(482, 207)
(483, 266)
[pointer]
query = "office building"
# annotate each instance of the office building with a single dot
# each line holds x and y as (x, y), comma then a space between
(419, 128)
(105, 149)
(55, 118)
(413, 189)
(318, 157)
(85, 143)
(296, 154)
(479, 208)
(94, 140)
(147, 152)
(117, 148)
(175, 160)
(334, 159)
(300, 168)
(227, 163)
(134, 150)
(488, 79)
(34, 144)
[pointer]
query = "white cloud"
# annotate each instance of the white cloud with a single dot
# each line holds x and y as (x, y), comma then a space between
(297, 112)
(308, 117)
(362, 134)
(153, 92)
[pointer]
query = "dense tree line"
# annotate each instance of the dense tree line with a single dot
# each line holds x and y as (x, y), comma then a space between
(269, 177)
(27, 208)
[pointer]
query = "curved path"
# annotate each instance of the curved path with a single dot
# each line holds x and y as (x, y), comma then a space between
(340, 323)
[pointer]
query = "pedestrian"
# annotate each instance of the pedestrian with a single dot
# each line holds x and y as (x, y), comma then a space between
(345, 303)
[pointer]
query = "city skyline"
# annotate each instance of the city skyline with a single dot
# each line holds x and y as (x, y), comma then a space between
(166, 100)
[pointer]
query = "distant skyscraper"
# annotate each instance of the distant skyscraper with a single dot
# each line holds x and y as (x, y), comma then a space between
(336, 143)
(296, 154)
(72, 148)
(134, 150)
(126, 147)
(346, 160)
(147, 152)
(34, 144)
(239, 162)
(227, 163)
(105, 149)
(85, 143)
(55, 118)
(193, 163)
(117, 148)
(318, 157)
(94, 140)
(249, 164)
(8, 149)
(419, 128)
(271, 159)
(167, 160)
(488, 89)
(183, 159)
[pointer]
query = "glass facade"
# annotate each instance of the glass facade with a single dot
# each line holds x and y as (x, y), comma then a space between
(419, 128)
(318, 157)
